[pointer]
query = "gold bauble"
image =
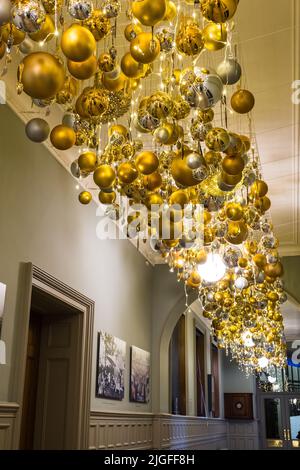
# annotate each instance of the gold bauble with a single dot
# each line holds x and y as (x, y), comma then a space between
(118, 129)
(170, 243)
(246, 142)
(243, 263)
(236, 147)
(212, 158)
(46, 32)
(233, 165)
(87, 162)
(189, 40)
(83, 70)
(149, 12)
(231, 180)
(209, 235)
(127, 173)
(145, 48)
(42, 75)
(104, 176)
(146, 162)
(214, 36)
(234, 211)
(201, 257)
(107, 198)
(9, 30)
(265, 203)
(179, 198)
(2, 49)
(251, 247)
(242, 101)
(194, 280)
(69, 90)
(182, 173)
(114, 84)
(130, 67)
(106, 63)
(237, 233)
(78, 43)
(132, 30)
(273, 270)
(206, 115)
(217, 139)
(62, 137)
(260, 260)
(153, 199)
(98, 24)
(171, 11)
(85, 197)
(152, 182)
(219, 11)
(259, 188)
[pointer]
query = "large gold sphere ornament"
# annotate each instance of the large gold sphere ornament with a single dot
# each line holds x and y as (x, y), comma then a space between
(260, 260)
(10, 30)
(106, 62)
(149, 12)
(42, 75)
(127, 173)
(78, 43)
(107, 197)
(242, 101)
(104, 176)
(83, 70)
(146, 162)
(85, 197)
(181, 173)
(171, 11)
(259, 188)
(189, 40)
(217, 139)
(62, 137)
(273, 270)
(153, 199)
(219, 11)
(98, 24)
(233, 165)
(234, 211)
(87, 162)
(118, 129)
(145, 48)
(214, 36)
(237, 233)
(153, 182)
(159, 105)
(194, 280)
(179, 198)
(132, 30)
(114, 84)
(130, 67)
(45, 33)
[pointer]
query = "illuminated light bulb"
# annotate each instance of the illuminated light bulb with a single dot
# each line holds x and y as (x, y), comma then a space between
(247, 339)
(56, 33)
(77, 187)
(41, 43)
(214, 268)
(271, 379)
(263, 362)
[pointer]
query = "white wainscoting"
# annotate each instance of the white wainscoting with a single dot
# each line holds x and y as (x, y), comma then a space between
(243, 435)
(8, 414)
(146, 431)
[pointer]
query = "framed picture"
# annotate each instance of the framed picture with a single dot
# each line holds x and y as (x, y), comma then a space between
(111, 356)
(139, 375)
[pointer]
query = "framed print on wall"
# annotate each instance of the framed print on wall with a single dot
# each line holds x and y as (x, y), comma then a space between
(111, 356)
(139, 375)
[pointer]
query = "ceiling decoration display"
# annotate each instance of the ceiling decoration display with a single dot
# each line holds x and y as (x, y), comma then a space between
(165, 122)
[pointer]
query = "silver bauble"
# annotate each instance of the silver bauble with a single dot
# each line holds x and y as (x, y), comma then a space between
(74, 168)
(42, 103)
(111, 8)
(80, 9)
(200, 130)
(161, 135)
(194, 160)
(26, 47)
(229, 71)
(166, 36)
(147, 122)
(200, 174)
(231, 257)
(28, 17)
(69, 120)
(213, 89)
(37, 130)
(241, 283)
(5, 11)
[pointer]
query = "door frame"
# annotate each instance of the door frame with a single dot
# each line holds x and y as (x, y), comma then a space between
(32, 276)
(284, 397)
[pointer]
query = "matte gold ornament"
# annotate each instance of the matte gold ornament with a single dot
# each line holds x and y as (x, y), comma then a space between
(179, 198)
(236, 146)
(217, 139)
(107, 198)
(45, 33)
(131, 68)
(182, 174)
(149, 12)
(10, 31)
(87, 162)
(85, 197)
(237, 233)
(231, 180)
(234, 212)
(171, 11)
(189, 40)
(233, 165)
(242, 101)
(78, 43)
(98, 24)
(42, 75)
(104, 176)
(218, 11)
(62, 137)
(146, 162)
(152, 200)
(214, 36)
(145, 48)
(152, 182)
(273, 270)
(127, 173)
(114, 84)
(259, 188)
(260, 260)
(132, 30)
(83, 70)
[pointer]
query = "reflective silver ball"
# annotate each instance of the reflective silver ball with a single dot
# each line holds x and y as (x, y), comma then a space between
(80, 9)
(37, 130)
(74, 168)
(229, 71)
(69, 120)
(26, 47)
(5, 11)
(194, 160)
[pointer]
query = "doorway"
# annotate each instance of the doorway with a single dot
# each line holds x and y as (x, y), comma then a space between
(280, 421)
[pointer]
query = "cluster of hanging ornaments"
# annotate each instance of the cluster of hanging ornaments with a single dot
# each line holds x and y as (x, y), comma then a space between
(186, 158)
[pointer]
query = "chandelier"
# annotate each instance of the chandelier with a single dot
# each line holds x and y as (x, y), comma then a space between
(156, 109)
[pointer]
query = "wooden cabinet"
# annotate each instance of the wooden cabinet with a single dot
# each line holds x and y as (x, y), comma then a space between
(238, 406)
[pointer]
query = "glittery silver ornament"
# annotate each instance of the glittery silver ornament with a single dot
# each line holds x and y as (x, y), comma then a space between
(80, 9)
(28, 17)
(111, 8)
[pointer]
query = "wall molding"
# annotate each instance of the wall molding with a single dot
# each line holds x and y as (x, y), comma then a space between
(8, 415)
(132, 431)
(243, 435)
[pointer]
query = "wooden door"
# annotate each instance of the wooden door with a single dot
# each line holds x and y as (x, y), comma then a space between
(58, 400)
(200, 373)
